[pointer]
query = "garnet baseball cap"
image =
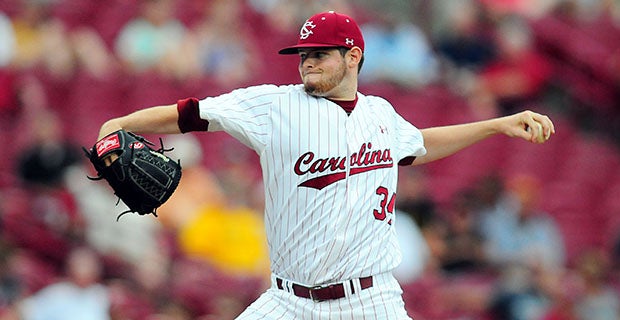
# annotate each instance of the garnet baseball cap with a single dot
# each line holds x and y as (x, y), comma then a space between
(328, 29)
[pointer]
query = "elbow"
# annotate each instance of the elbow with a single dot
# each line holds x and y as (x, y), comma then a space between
(421, 160)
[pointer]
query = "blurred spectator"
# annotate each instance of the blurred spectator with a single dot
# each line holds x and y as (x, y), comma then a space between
(598, 301)
(521, 234)
(282, 16)
(240, 176)
(217, 222)
(150, 280)
(464, 41)
(517, 76)
(464, 244)
(80, 296)
(525, 246)
(209, 293)
(526, 8)
(153, 39)
(615, 12)
(221, 47)
(42, 40)
(198, 187)
(26, 122)
(563, 292)
(49, 155)
(92, 55)
(531, 293)
(287, 15)
(11, 286)
(415, 251)
(171, 311)
(49, 221)
(43, 216)
(414, 211)
(493, 205)
(414, 198)
(22, 96)
(127, 301)
(131, 240)
(64, 205)
(586, 10)
(397, 51)
(31, 272)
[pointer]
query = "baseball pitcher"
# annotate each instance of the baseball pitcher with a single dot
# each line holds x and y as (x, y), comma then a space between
(330, 157)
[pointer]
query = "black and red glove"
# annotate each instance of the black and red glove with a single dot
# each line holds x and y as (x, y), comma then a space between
(143, 178)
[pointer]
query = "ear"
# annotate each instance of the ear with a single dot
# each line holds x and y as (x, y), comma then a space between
(355, 55)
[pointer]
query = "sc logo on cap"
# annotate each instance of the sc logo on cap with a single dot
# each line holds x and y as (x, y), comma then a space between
(306, 30)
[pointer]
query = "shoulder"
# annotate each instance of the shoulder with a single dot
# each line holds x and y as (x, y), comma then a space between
(269, 89)
(262, 95)
(266, 92)
(376, 103)
(371, 99)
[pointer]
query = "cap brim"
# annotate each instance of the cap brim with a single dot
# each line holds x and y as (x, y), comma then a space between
(295, 49)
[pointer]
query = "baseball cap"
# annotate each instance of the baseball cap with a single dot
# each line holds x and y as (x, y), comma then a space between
(328, 29)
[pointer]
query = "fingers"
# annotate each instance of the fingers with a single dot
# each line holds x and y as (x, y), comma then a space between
(109, 159)
(536, 133)
(546, 123)
(540, 127)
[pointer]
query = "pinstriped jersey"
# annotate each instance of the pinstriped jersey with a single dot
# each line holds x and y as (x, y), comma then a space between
(330, 178)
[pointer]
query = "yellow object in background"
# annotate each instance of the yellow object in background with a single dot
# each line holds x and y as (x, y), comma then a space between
(233, 240)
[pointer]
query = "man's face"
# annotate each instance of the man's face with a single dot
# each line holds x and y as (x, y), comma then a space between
(321, 70)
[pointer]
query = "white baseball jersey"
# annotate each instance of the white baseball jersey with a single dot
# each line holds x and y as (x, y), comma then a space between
(330, 178)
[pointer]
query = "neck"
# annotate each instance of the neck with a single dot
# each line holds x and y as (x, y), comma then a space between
(347, 91)
(347, 97)
(338, 95)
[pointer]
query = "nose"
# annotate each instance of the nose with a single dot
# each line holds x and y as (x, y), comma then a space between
(306, 62)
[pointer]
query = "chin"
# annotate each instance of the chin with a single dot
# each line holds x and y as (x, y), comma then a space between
(314, 91)
(317, 88)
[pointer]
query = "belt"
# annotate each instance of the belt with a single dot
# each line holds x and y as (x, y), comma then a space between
(331, 292)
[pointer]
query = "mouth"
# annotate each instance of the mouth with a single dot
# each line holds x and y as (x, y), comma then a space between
(311, 73)
(312, 77)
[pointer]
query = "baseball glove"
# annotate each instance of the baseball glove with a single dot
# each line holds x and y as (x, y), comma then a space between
(143, 178)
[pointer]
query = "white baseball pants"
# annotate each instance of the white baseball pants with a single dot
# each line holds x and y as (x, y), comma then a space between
(381, 301)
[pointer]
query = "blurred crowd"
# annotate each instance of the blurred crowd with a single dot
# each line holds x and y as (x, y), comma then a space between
(505, 230)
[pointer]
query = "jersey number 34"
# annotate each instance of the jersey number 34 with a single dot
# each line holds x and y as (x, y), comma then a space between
(386, 204)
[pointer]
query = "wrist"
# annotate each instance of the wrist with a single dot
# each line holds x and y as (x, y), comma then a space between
(108, 127)
(490, 127)
(496, 126)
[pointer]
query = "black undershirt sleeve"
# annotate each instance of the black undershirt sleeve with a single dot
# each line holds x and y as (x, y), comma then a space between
(406, 161)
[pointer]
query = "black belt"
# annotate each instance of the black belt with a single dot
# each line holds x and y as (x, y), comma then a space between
(331, 292)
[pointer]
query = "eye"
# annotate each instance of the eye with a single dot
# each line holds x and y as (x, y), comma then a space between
(321, 54)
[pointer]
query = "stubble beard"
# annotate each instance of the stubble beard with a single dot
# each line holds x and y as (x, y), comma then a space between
(323, 87)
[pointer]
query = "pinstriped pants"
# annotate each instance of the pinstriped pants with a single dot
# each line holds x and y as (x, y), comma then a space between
(381, 301)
